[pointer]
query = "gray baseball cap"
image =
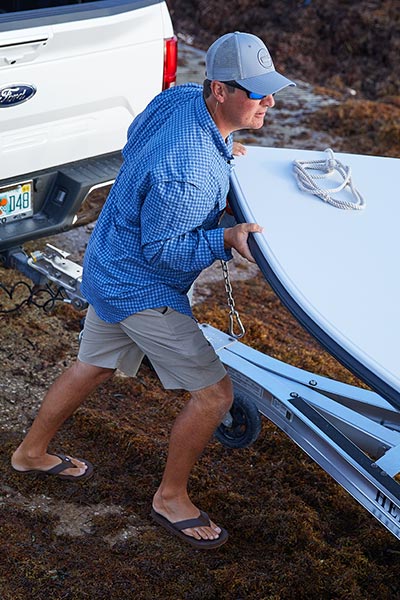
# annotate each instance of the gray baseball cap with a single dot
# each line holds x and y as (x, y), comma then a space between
(244, 58)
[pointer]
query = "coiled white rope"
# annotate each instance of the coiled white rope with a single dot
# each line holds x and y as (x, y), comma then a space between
(306, 181)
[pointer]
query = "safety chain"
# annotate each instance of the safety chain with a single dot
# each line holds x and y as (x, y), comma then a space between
(233, 313)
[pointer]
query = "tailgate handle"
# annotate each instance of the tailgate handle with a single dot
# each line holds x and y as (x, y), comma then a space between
(25, 51)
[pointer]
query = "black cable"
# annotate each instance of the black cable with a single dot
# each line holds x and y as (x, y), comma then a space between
(35, 297)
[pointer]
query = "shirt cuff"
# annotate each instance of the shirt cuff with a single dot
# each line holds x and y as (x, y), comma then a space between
(216, 241)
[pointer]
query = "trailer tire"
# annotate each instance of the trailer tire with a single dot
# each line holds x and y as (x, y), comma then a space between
(245, 426)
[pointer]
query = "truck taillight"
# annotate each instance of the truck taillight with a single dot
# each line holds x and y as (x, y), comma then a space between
(170, 62)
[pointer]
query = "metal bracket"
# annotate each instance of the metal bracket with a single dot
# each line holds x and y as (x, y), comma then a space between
(352, 433)
(54, 264)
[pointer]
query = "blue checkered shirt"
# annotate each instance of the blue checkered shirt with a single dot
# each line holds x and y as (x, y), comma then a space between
(159, 225)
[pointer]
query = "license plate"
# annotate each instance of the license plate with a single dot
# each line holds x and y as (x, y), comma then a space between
(16, 202)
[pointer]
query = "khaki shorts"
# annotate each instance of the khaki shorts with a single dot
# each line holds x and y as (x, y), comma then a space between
(173, 342)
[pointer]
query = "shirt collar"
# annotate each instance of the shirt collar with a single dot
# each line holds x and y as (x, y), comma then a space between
(208, 124)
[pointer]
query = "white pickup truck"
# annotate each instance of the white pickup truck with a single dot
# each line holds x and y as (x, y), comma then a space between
(73, 75)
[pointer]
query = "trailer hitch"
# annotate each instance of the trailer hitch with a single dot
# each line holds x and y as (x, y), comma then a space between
(50, 265)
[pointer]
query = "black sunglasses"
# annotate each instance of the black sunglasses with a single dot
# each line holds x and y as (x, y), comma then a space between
(251, 95)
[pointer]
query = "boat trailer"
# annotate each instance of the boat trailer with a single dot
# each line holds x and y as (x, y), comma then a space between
(352, 433)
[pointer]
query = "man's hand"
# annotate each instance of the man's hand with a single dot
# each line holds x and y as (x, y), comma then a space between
(238, 149)
(236, 237)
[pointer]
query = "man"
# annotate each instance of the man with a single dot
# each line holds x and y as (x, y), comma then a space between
(157, 231)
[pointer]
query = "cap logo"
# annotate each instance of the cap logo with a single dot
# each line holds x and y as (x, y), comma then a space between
(264, 58)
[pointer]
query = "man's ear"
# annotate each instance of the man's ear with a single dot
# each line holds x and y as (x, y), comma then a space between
(218, 90)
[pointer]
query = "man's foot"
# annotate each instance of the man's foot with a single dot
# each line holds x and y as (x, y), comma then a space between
(183, 519)
(192, 525)
(58, 465)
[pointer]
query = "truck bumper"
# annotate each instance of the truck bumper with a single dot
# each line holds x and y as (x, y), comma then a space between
(57, 197)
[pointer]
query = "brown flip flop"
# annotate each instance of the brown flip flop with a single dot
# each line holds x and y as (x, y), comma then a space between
(57, 470)
(201, 521)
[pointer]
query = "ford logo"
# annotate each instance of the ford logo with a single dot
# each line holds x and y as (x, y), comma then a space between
(16, 93)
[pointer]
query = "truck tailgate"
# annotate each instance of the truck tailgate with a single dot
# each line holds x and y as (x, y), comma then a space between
(87, 79)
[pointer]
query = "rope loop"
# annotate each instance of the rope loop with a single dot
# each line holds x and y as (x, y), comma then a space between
(306, 181)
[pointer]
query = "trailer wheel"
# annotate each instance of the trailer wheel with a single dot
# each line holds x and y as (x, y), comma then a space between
(241, 426)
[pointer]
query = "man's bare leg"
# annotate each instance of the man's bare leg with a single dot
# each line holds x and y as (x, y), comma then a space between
(191, 432)
(62, 399)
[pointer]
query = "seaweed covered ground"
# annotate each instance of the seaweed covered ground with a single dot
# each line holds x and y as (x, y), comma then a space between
(348, 50)
(294, 533)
